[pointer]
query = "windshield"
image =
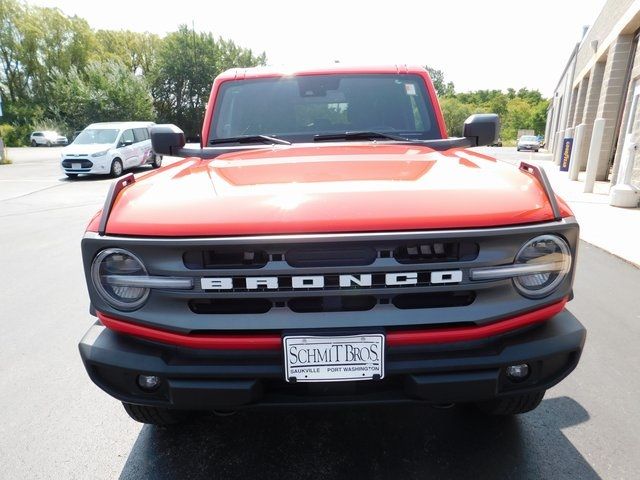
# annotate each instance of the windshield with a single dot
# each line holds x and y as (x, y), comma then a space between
(298, 108)
(96, 135)
(529, 138)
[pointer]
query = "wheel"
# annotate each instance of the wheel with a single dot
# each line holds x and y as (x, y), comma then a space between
(116, 168)
(48, 143)
(512, 405)
(154, 415)
(72, 176)
(518, 149)
(536, 151)
(34, 143)
(157, 161)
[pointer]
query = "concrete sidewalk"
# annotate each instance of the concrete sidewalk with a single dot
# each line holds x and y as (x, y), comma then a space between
(613, 229)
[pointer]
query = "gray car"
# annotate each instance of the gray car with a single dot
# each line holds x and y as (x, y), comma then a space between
(529, 143)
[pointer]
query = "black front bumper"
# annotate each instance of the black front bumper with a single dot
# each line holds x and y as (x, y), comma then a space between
(446, 373)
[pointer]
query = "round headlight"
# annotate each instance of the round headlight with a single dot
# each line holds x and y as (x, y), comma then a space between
(107, 270)
(550, 257)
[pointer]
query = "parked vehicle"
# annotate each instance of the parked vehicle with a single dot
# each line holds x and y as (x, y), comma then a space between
(47, 138)
(529, 143)
(328, 244)
(109, 149)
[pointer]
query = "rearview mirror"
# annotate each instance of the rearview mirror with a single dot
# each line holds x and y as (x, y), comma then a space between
(166, 139)
(482, 128)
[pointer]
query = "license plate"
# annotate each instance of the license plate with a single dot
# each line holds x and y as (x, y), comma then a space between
(76, 166)
(334, 359)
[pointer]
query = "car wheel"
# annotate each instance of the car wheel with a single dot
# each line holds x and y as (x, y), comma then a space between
(155, 415)
(48, 143)
(116, 168)
(34, 143)
(512, 405)
(518, 149)
(157, 161)
(72, 176)
(536, 151)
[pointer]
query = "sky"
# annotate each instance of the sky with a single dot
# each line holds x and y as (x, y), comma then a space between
(478, 44)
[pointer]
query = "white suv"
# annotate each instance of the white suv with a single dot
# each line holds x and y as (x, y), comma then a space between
(109, 149)
(48, 138)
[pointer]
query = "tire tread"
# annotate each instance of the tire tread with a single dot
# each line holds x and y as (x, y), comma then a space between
(152, 415)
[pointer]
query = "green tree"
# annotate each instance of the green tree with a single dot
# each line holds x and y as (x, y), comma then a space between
(455, 113)
(443, 88)
(12, 80)
(103, 92)
(187, 62)
(51, 42)
(137, 51)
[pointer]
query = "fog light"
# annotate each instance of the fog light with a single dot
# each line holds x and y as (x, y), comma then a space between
(517, 373)
(148, 382)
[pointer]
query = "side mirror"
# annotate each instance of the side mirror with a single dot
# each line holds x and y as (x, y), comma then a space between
(127, 143)
(482, 128)
(166, 139)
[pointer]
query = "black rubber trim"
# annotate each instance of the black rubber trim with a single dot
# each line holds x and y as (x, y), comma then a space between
(439, 144)
(541, 176)
(114, 190)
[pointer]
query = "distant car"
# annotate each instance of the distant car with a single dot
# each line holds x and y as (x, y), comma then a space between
(529, 143)
(48, 138)
(109, 149)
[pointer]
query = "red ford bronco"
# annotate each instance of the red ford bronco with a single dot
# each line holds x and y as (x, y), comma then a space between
(327, 244)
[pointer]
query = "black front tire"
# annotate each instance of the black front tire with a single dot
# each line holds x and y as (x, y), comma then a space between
(157, 161)
(34, 143)
(72, 176)
(512, 405)
(116, 168)
(154, 415)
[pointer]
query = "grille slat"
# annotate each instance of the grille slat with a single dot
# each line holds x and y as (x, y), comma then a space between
(317, 304)
(330, 255)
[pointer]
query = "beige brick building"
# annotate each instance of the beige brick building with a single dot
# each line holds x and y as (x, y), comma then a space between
(597, 103)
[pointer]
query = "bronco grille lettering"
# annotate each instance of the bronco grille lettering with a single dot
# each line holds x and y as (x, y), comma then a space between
(365, 280)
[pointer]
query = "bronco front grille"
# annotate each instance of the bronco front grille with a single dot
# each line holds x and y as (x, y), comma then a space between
(388, 279)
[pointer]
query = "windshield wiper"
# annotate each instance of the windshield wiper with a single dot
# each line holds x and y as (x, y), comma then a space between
(359, 136)
(250, 139)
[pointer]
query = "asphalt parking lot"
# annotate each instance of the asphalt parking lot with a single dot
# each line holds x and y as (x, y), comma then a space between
(54, 423)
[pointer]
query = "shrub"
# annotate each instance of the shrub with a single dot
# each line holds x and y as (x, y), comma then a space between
(15, 136)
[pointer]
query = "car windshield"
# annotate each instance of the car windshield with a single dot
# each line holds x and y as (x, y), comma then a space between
(299, 108)
(96, 135)
(529, 138)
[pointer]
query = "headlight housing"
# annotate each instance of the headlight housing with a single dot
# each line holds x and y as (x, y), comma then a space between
(99, 154)
(548, 258)
(107, 268)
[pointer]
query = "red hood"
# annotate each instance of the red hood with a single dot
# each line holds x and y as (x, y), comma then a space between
(352, 188)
